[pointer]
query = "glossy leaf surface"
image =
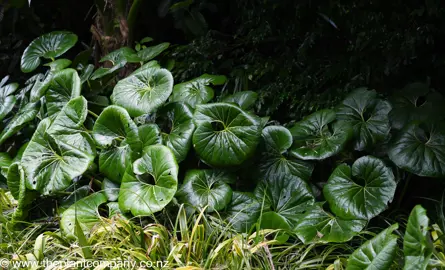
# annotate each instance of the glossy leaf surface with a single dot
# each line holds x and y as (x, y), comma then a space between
(49, 46)
(360, 192)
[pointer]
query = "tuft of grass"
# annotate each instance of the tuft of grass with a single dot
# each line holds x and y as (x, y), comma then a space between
(195, 241)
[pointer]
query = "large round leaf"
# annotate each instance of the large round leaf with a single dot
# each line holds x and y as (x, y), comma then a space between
(377, 253)
(68, 125)
(360, 192)
(276, 140)
(176, 122)
(285, 199)
(144, 91)
(152, 182)
(7, 99)
(368, 116)
(56, 155)
(244, 99)
(319, 136)
(420, 149)
(416, 102)
(85, 212)
(243, 211)
(48, 46)
(197, 91)
(118, 136)
(225, 135)
(206, 188)
(416, 245)
(317, 225)
(64, 86)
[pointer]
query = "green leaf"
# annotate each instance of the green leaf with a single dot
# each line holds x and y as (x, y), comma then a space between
(23, 116)
(176, 123)
(319, 136)
(82, 239)
(360, 192)
(148, 65)
(153, 51)
(5, 162)
(113, 126)
(86, 73)
(64, 86)
(25, 199)
(82, 58)
(15, 173)
(420, 149)
(4, 80)
(150, 134)
(244, 99)
(118, 59)
(111, 190)
(85, 211)
(146, 40)
(59, 151)
(144, 91)
(225, 135)
(7, 99)
(118, 136)
(377, 253)
(206, 188)
(58, 64)
(317, 225)
(152, 182)
(274, 159)
(49, 46)
(102, 72)
(243, 211)
(39, 246)
(169, 64)
(286, 198)
(40, 85)
(280, 165)
(415, 102)
(114, 210)
(417, 247)
(197, 91)
(122, 55)
(68, 126)
(277, 139)
(368, 116)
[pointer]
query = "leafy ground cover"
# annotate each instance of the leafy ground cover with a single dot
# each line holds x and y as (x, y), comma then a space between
(119, 162)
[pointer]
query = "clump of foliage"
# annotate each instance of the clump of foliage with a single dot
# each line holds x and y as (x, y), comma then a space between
(81, 145)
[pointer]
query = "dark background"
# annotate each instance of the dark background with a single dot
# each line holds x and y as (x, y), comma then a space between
(299, 55)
